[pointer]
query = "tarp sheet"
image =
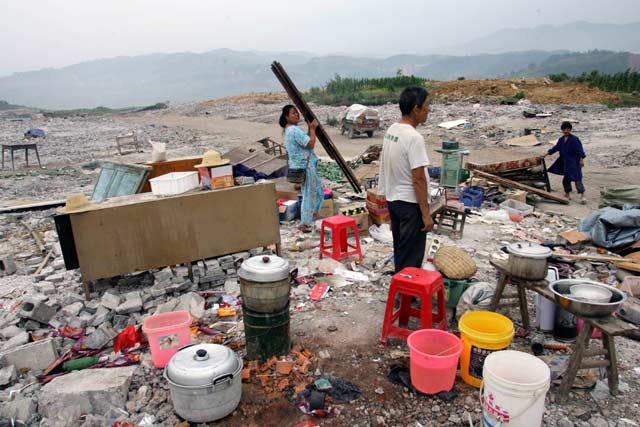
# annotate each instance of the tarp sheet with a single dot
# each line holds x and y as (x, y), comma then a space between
(355, 110)
(620, 196)
(611, 227)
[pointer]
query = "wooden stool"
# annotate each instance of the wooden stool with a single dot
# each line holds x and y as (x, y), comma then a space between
(450, 221)
(26, 147)
(609, 326)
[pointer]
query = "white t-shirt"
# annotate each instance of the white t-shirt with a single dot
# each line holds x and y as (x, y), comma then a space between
(403, 150)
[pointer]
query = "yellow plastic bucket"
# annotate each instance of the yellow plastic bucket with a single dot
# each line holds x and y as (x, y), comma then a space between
(482, 333)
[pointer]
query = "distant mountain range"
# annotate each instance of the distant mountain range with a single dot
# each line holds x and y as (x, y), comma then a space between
(180, 77)
(575, 36)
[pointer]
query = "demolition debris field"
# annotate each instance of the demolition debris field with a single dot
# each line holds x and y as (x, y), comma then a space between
(342, 331)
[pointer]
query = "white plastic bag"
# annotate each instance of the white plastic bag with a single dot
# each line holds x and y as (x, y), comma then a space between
(381, 233)
(158, 152)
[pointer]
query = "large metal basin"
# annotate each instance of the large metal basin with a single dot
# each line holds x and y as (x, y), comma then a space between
(562, 288)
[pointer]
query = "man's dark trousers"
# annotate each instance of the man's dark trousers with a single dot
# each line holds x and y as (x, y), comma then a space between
(409, 241)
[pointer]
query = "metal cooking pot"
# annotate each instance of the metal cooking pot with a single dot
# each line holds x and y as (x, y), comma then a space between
(265, 283)
(528, 260)
(204, 381)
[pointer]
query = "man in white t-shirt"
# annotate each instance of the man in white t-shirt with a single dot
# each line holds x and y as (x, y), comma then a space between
(403, 180)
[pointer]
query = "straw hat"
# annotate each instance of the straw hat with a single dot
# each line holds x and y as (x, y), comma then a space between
(211, 159)
(77, 203)
(454, 263)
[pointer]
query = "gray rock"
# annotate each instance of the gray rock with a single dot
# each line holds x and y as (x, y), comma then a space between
(101, 337)
(167, 306)
(564, 422)
(7, 265)
(111, 300)
(20, 339)
(130, 305)
(35, 356)
(21, 408)
(120, 322)
(10, 332)
(179, 287)
(72, 299)
(55, 278)
(101, 315)
(164, 275)
(8, 375)
(95, 391)
(31, 325)
(232, 287)
(157, 291)
(72, 309)
(92, 306)
(193, 303)
(46, 288)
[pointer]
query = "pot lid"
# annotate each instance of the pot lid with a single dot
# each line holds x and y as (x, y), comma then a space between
(264, 268)
(201, 364)
(529, 250)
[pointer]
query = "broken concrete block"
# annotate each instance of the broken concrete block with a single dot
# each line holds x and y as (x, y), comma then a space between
(72, 299)
(10, 332)
(130, 305)
(111, 299)
(101, 315)
(34, 308)
(193, 303)
(72, 310)
(232, 287)
(36, 356)
(31, 325)
(55, 278)
(44, 287)
(179, 287)
(167, 306)
(20, 339)
(20, 408)
(92, 306)
(95, 391)
(120, 322)
(7, 265)
(8, 375)
(100, 337)
(86, 319)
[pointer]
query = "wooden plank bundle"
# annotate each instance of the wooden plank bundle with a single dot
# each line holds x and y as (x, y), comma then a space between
(308, 115)
(513, 184)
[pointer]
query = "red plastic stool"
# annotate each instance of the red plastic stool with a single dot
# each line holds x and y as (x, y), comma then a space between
(339, 247)
(422, 284)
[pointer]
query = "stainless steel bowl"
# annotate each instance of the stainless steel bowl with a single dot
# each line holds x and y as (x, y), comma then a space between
(561, 290)
(591, 293)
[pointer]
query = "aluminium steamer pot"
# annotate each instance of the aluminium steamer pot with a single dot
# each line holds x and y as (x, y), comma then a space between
(204, 381)
(528, 260)
(265, 283)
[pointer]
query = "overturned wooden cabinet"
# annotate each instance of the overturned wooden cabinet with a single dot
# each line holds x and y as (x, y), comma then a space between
(141, 232)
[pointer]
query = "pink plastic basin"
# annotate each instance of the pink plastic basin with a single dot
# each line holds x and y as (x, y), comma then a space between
(167, 332)
(434, 356)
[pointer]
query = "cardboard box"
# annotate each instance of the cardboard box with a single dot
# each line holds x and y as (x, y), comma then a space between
(380, 219)
(362, 220)
(221, 171)
(327, 209)
(288, 211)
(377, 209)
(222, 182)
(374, 197)
(519, 195)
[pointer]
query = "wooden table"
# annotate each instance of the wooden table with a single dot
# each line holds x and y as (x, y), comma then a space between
(143, 231)
(15, 147)
(609, 326)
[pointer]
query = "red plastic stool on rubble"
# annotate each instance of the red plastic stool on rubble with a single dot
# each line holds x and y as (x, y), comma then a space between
(422, 284)
(339, 247)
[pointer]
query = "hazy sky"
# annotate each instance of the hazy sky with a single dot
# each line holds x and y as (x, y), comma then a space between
(54, 33)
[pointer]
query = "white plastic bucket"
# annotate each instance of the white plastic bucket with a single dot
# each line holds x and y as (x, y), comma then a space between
(514, 388)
